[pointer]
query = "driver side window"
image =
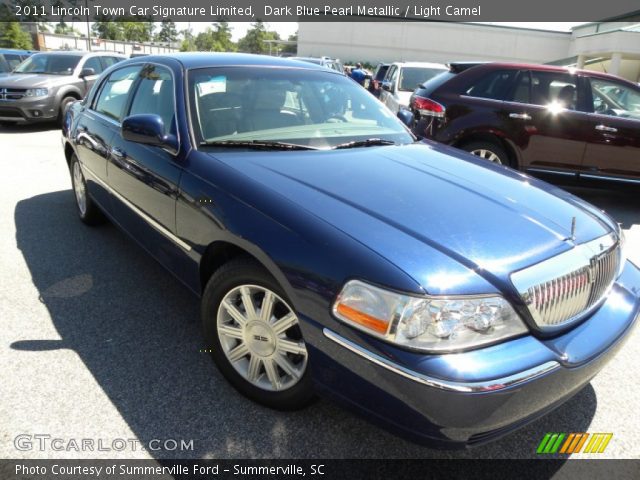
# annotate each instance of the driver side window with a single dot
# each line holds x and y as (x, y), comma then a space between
(615, 99)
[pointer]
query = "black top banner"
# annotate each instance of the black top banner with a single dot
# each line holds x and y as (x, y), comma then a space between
(320, 10)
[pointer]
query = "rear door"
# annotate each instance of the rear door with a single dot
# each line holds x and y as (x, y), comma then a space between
(546, 118)
(145, 178)
(613, 145)
(97, 127)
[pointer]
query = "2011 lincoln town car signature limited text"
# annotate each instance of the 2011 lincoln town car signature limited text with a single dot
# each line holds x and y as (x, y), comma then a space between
(443, 296)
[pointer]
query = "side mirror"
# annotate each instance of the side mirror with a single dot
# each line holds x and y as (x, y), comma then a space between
(386, 86)
(87, 72)
(405, 117)
(148, 129)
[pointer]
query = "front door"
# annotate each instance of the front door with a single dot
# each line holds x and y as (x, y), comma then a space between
(613, 148)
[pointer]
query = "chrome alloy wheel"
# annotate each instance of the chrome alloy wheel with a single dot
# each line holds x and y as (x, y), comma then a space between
(79, 188)
(261, 338)
(487, 155)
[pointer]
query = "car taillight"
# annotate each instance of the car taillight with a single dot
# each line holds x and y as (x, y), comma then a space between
(428, 108)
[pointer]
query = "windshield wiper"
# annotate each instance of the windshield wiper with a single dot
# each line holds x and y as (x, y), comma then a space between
(256, 144)
(369, 142)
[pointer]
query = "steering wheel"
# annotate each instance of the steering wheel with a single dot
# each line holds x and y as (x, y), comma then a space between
(336, 117)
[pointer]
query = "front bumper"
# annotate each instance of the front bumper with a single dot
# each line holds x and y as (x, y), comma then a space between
(473, 397)
(29, 110)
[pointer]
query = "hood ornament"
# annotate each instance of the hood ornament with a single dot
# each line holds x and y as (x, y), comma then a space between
(572, 237)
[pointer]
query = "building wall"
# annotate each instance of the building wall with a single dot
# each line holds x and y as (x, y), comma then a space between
(428, 41)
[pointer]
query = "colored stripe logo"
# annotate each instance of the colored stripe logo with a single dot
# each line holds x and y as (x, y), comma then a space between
(564, 443)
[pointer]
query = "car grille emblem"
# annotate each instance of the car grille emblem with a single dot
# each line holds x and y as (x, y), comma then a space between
(3, 93)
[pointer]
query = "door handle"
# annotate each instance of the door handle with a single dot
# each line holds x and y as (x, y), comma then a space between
(520, 116)
(604, 128)
(116, 152)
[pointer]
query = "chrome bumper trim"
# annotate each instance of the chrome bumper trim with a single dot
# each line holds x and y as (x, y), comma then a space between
(460, 387)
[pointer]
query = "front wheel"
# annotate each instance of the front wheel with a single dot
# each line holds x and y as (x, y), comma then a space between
(254, 336)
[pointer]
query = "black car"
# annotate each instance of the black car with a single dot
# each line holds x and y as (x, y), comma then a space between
(553, 122)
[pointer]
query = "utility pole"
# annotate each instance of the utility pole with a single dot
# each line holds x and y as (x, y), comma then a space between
(86, 4)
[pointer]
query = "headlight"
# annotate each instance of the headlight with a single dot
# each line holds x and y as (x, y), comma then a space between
(37, 92)
(429, 323)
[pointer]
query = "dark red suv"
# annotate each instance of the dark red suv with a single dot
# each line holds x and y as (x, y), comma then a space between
(549, 121)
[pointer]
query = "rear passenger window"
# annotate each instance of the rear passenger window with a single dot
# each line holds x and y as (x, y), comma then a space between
(551, 89)
(155, 95)
(115, 90)
(494, 85)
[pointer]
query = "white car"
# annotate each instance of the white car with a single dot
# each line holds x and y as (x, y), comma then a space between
(403, 78)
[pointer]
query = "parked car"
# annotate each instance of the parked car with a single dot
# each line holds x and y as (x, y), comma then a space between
(376, 79)
(10, 59)
(550, 121)
(452, 298)
(42, 87)
(328, 62)
(401, 80)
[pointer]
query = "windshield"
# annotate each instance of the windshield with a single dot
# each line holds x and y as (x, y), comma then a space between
(295, 106)
(49, 64)
(412, 77)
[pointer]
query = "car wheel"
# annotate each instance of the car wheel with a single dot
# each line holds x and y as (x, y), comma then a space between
(488, 151)
(254, 336)
(64, 106)
(88, 211)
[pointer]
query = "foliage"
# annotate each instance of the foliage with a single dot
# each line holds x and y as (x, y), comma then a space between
(13, 36)
(123, 28)
(168, 32)
(217, 39)
(254, 40)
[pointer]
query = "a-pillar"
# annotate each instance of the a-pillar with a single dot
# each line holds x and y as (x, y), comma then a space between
(616, 59)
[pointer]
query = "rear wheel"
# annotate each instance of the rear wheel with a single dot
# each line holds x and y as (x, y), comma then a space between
(254, 336)
(488, 151)
(88, 211)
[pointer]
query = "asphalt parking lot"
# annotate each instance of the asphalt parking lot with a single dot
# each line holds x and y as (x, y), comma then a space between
(99, 342)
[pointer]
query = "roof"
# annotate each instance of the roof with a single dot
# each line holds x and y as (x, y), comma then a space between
(214, 59)
(420, 64)
(551, 68)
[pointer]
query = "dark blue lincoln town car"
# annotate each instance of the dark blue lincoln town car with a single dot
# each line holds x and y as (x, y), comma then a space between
(449, 298)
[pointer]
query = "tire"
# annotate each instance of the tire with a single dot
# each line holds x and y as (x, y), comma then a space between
(265, 368)
(64, 106)
(489, 151)
(88, 211)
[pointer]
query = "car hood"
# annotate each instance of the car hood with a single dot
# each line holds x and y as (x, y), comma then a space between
(421, 206)
(29, 80)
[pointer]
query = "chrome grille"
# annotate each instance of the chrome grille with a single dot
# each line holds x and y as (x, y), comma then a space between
(564, 288)
(11, 93)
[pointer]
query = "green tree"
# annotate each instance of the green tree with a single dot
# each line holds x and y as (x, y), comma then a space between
(223, 37)
(188, 44)
(217, 39)
(137, 31)
(168, 32)
(291, 48)
(13, 36)
(107, 28)
(254, 40)
(63, 28)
